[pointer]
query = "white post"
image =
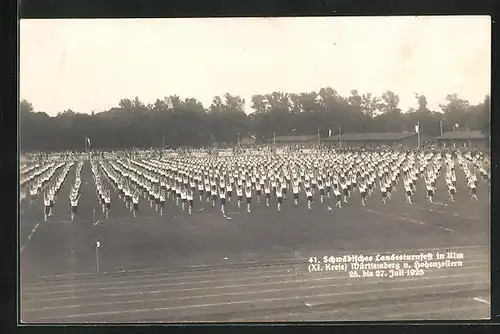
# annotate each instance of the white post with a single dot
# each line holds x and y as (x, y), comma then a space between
(441, 126)
(274, 138)
(418, 138)
(97, 255)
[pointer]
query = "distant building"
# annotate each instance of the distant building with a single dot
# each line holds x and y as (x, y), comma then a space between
(303, 141)
(374, 139)
(469, 139)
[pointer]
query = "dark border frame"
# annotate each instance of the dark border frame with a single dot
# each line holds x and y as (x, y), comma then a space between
(210, 8)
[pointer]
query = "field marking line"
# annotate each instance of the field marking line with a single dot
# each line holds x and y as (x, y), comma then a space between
(439, 211)
(413, 221)
(135, 284)
(209, 266)
(96, 285)
(29, 237)
(440, 301)
(164, 276)
(389, 282)
(239, 302)
(109, 220)
(374, 307)
(397, 317)
(481, 300)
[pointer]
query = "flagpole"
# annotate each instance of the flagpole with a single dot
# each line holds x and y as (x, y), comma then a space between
(274, 138)
(418, 134)
(97, 255)
(340, 136)
(319, 140)
(441, 126)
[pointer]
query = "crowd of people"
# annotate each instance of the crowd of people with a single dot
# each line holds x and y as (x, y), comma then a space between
(47, 179)
(196, 179)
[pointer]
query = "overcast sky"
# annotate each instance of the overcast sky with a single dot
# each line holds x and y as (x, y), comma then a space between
(90, 65)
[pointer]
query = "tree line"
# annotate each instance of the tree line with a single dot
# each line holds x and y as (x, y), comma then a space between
(184, 122)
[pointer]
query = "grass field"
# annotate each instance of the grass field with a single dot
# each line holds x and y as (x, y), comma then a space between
(253, 267)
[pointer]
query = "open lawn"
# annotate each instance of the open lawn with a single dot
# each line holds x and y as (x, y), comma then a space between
(254, 266)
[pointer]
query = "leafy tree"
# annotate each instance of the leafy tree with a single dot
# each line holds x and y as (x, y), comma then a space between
(295, 106)
(180, 122)
(259, 104)
(390, 102)
(25, 107)
(355, 99)
(427, 119)
(391, 119)
(422, 103)
(455, 112)
(126, 104)
(484, 116)
(370, 105)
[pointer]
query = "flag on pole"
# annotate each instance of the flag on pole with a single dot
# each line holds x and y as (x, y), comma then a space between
(88, 141)
(329, 132)
(293, 130)
(98, 244)
(252, 136)
(417, 127)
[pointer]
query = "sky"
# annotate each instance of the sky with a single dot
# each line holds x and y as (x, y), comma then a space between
(89, 64)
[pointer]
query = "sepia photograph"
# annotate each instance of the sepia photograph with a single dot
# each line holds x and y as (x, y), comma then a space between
(254, 169)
